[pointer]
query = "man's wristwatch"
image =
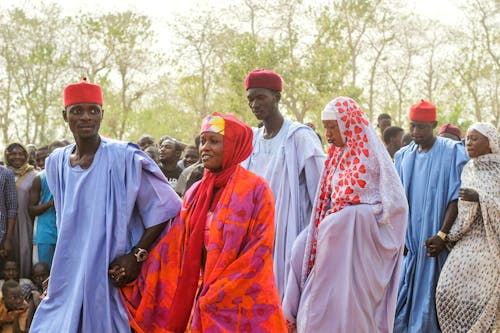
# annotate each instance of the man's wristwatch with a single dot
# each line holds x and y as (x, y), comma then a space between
(442, 235)
(140, 254)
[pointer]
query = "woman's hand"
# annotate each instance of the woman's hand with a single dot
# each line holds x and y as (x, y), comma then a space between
(468, 194)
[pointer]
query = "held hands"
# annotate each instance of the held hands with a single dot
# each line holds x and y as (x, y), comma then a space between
(468, 194)
(434, 245)
(124, 269)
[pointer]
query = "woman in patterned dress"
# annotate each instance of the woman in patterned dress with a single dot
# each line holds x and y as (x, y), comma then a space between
(468, 291)
(213, 270)
(345, 265)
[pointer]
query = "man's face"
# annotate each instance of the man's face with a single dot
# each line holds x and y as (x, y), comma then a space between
(263, 102)
(167, 151)
(421, 131)
(395, 144)
(13, 298)
(10, 271)
(383, 124)
(16, 157)
(191, 156)
(84, 119)
(40, 274)
(40, 157)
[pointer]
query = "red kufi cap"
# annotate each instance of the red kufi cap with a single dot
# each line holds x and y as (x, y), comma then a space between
(263, 78)
(82, 92)
(450, 129)
(423, 111)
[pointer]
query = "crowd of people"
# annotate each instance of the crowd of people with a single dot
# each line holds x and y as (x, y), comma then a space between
(253, 229)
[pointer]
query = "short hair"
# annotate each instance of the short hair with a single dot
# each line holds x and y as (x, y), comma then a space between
(42, 264)
(383, 116)
(57, 144)
(44, 147)
(190, 147)
(178, 146)
(146, 137)
(9, 284)
(391, 132)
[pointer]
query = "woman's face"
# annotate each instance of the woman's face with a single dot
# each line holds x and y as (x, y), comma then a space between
(332, 133)
(476, 144)
(16, 157)
(212, 150)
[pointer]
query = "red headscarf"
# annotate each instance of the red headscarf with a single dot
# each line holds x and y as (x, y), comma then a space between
(237, 147)
(355, 173)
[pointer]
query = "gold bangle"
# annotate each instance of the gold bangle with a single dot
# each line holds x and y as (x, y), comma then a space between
(441, 235)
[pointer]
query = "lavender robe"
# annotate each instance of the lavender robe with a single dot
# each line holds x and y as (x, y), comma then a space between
(353, 284)
(102, 212)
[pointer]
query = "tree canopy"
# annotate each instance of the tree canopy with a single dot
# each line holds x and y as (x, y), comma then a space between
(373, 51)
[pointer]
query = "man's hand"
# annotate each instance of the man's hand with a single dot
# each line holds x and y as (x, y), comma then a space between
(434, 246)
(124, 269)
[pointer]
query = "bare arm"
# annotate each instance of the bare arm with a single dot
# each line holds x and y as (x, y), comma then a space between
(450, 216)
(34, 208)
(125, 268)
(436, 244)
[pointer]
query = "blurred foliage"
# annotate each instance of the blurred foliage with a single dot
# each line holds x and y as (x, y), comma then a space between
(363, 49)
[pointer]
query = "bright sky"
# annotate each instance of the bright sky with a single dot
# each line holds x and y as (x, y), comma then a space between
(165, 10)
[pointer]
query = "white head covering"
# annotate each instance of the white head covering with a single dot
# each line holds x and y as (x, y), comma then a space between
(360, 172)
(328, 112)
(491, 133)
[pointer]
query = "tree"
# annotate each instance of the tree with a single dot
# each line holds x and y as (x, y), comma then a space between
(35, 65)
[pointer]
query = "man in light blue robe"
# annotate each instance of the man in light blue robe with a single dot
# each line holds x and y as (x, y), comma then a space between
(430, 169)
(112, 202)
(290, 157)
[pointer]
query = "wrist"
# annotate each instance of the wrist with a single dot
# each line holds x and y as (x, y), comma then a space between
(140, 254)
(442, 235)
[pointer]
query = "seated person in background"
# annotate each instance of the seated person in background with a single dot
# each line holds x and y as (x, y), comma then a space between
(14, 311)
(393, 139)
(451, 132)
(11, 272)
(40, 274)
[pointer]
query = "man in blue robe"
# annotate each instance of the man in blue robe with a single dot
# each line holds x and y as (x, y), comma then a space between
(112, 203)
(290, 157)
(429, 169)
